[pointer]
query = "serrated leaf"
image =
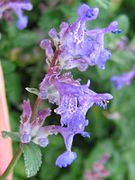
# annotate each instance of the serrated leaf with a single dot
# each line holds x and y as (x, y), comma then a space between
(32, 158)
(32, 90)
(13, 135)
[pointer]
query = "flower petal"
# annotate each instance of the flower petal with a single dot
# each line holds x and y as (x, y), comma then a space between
(66, 159)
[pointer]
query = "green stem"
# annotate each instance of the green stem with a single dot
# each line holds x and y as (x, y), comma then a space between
(12, 164)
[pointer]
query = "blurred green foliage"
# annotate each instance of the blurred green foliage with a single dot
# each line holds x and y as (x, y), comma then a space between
(112, 130)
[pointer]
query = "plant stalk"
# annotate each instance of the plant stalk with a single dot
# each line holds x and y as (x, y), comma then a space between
(12, 164)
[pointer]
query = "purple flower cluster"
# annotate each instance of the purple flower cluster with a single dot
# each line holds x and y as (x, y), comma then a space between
(75, 46)
(124, 79)
(17, 6)
(78, 46)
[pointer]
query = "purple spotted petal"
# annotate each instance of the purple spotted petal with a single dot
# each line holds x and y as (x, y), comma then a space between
(65, 159)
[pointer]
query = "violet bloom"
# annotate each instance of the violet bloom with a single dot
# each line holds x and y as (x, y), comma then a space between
(29, 130)
(35, 132)
(68, 156)
(75, 101)
(25, 127)
(75, 47)
(124, 79)
(72, 98)
(80, 47)
(17, 6)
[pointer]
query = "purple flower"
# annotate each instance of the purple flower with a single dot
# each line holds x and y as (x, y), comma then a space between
(75, 46)
(25, 126)
(47, 88)
(72, 98)
(73, 110)
(18, 7)
(124, 79)
(78, 46)
(98, 171)
(42, 134)
(68, 156)
(29, 130)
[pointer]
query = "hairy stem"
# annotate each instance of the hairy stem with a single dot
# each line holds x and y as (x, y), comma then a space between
(12, 164)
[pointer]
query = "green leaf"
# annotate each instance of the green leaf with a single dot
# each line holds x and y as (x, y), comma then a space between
(32, 158)
(25, 39)
(128, 156)
(123, 22)
(13, 135)
(13, 87)
(104, 3)
(71, 15)
(8, 66)
(51, 15)
(32, 90)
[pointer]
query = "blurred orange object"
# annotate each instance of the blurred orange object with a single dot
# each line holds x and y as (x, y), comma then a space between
(5, 144)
